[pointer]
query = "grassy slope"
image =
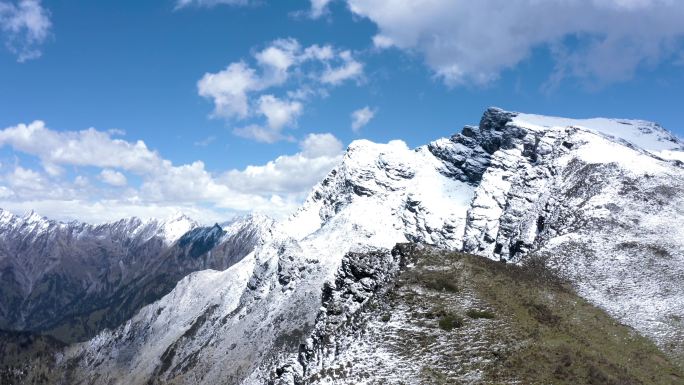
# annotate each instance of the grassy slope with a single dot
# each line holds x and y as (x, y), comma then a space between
(452, 318)
(551, 336)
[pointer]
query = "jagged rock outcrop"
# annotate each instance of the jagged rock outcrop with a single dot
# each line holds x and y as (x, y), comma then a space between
(598, 199)
(360, 278)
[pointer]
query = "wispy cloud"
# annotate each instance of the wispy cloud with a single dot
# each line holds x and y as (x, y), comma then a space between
(362, 117)
(318, 8)
(211, 3)
(25, 26)
(206, 141)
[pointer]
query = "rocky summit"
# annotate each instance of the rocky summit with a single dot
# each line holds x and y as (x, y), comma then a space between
(532, 249)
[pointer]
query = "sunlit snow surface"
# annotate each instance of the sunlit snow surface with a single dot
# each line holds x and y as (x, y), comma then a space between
(646, 135)
(174, 227)
(370, 191)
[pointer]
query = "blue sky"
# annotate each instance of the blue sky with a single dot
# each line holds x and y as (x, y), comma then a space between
(133, 71)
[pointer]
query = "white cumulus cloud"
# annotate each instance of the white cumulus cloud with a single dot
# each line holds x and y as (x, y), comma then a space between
(291, 173)
(113, 177)
(261, 133)
(279, 113)
(79, 148)
(228, 89)
(245, 94)
(321, 145)
(25, 179)
(349, 69)
(159, 187)
(463, 41)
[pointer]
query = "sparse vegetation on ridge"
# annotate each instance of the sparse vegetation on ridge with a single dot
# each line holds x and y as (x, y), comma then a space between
(506, 324)
(559, 337)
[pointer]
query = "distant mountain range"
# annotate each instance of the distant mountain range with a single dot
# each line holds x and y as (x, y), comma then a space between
(72, 280)
(532, 250)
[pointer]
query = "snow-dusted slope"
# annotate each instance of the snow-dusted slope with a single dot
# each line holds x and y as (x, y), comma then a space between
(600, 203)
(378, 196)
(381, 194)
(646, 135)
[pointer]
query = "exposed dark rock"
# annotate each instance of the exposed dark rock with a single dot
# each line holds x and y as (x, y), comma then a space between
(360, 278)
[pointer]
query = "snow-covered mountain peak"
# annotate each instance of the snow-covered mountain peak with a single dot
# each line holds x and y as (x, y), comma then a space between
(258, 225)
(29, 222)
(256, 218)
(35, 220)
(359, 147)
(383, 194)
(6, 217)
(169, 229)
(643, 134)
(177, 216)
(33, 217)
(172, 228)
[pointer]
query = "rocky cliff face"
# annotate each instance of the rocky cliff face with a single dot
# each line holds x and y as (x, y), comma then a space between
(345, 309)
(598, 200)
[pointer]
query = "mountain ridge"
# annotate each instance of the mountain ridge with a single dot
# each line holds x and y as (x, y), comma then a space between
(596, 209)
